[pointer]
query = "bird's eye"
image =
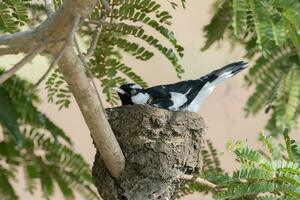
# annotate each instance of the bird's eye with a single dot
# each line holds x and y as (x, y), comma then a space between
(133, 92)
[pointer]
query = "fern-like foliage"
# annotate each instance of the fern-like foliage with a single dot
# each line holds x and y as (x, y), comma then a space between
(58, 90)
(270, 32)
(13, 14)
(31, 141)
(18, 99)
(274, 171)
(126, 31)
(270, 173)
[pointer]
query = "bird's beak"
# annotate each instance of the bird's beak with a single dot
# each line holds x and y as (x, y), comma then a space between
(118, 90)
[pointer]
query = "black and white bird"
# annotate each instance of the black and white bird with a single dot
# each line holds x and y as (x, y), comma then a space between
(184, 95)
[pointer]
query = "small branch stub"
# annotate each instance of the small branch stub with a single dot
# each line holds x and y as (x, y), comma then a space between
(200, 181)
(106, 6)
(49, 6)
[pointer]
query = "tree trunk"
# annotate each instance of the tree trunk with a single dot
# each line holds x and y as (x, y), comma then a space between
(158, 146)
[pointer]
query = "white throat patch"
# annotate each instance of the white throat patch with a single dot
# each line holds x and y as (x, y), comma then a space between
(140, 98)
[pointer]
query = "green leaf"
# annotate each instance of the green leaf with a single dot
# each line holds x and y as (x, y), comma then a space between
(47, 184)
(262, 25)
(247, 156)
(19, 10)
(240, 8)
(272, 148)
(219, 23)
(9, 118)
(254, 173)
(6, 189)
(7, 23)
(63, 185)
(22, 98)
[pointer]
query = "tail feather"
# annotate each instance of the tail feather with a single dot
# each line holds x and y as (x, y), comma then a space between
(233, 68)
(207, 84)
(225, 72)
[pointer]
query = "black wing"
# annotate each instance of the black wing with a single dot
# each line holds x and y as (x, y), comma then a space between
(161, 95)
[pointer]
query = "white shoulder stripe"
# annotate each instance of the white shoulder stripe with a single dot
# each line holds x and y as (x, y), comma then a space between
(178, 100)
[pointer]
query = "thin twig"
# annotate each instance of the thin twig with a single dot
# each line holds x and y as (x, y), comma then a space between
(91, 49)
(52, 65)
(49, 6)
(73, 30)
(94, 42)
(90, 74)
(96, 37)
(200, 181)
(61, 52)
(109, 24)
(106, 6)
(6, 75)
(96, 22)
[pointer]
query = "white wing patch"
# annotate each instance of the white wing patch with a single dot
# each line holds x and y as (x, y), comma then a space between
(178, 100)
(140, 98)
(206, 90)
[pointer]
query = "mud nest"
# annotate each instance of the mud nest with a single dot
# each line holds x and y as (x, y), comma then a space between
(158, 145)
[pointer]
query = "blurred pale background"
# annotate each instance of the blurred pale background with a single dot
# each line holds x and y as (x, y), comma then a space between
(222, 111)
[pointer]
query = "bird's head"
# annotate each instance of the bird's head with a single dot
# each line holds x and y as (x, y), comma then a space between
(132, 94)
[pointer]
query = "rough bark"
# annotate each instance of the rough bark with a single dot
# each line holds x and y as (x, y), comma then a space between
(158, 145)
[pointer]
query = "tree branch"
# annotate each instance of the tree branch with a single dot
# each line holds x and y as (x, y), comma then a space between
(54, 28)
(61, 52)
(200, 181)
(74, 72)
(49, 6)
(5, 50)
(21, 42)
(72, 67)
(52, 32)
(6, 75)
(90, 52)
(90, 74)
